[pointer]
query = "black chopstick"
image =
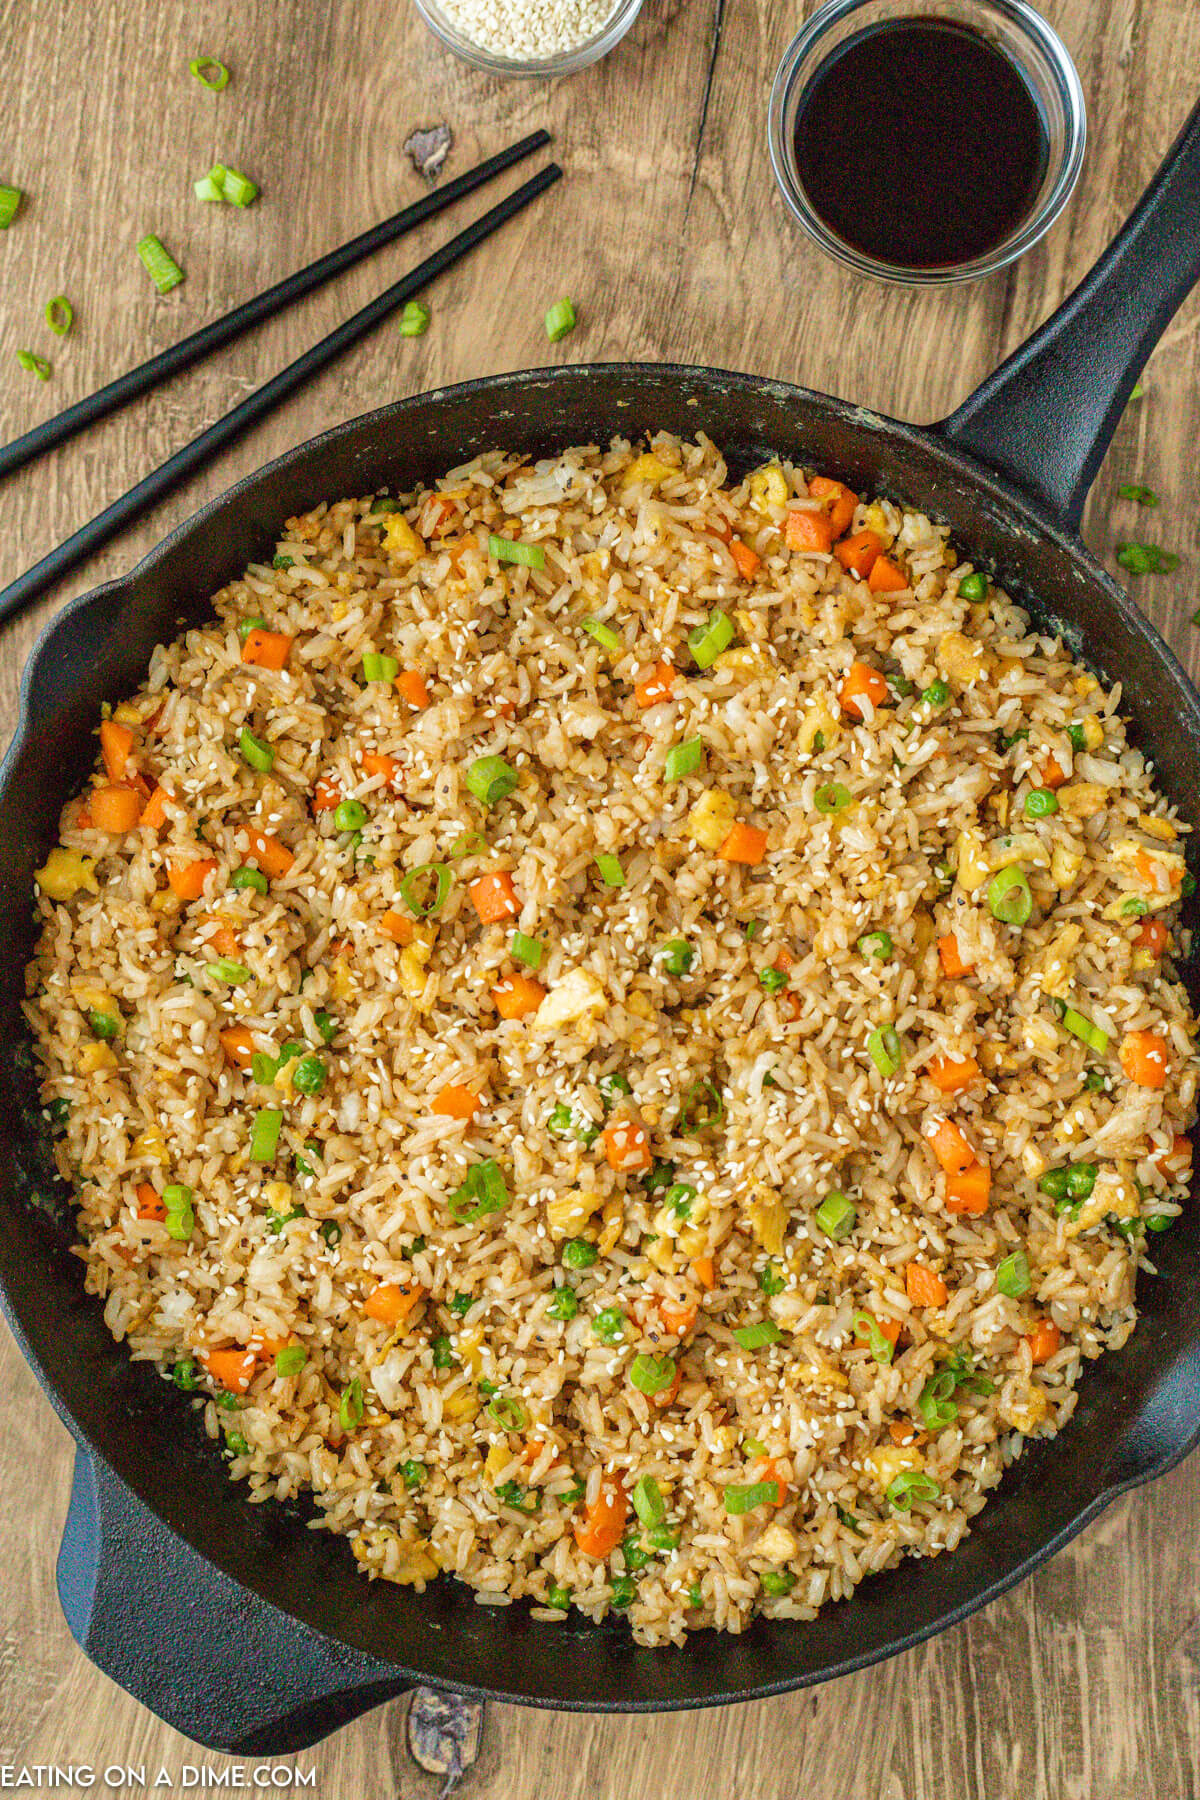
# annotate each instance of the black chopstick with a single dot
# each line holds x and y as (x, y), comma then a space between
(29, 587)
(147, 375)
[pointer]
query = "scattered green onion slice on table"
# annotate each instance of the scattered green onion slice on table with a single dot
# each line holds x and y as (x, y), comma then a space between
(911, 1485)
(832, 797)
(1132, 490)
(867, 1330)
(264, 1134)
(238, 189)
(836, 1215)
(226, 970)
(181, 1219)
(530, 556)
(885, 1049)
(10, 205)
(651, 1375)
(60, 315)
(1012, 1277)
(35, 364)
(159, 264)
(745, 1499)
(210, 72)
(707, 641)
(377, 667)
(758, 1335)
(260, 756)
(1146, 559)
(1009, 898)
(527, 950)
(350, 1411)
(414, 320)
(560, 319)
(210, 189)
(605, 636)
(246, 877)
(684, 759)
(490, 779)
(424, 889)
(611, 872)
(290, 1360)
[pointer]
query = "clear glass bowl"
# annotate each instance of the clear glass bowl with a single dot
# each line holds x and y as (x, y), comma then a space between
(1012, 26)
(590, 51)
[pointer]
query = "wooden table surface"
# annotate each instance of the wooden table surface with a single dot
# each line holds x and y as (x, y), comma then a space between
(1081, 1685)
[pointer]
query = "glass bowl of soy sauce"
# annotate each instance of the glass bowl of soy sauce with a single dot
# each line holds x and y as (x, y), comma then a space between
(927, 141)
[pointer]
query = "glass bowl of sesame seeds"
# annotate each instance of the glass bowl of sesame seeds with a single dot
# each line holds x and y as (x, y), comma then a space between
(529, 37)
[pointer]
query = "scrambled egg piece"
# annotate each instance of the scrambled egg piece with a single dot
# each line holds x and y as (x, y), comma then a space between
(768, 1218)
(889, 1460)
(568, 1213)
(711, 819)
(400, 538)
(64, 873)
(578, 995)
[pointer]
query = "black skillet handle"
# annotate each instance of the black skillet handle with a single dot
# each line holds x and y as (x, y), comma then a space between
(227, 1670)
(1045, 418)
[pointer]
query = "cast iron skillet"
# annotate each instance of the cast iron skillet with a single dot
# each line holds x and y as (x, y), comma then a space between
(237, 1624)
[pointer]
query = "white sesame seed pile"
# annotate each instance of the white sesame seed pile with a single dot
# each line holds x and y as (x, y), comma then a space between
(529, 30)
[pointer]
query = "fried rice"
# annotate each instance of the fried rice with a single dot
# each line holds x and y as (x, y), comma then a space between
(615, 1028)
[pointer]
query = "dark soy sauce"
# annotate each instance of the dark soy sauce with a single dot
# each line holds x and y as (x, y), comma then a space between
(920, 144)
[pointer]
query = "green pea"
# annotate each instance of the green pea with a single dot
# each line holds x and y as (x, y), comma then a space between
(564, 1304)
(310, 1075)
(578, 1253)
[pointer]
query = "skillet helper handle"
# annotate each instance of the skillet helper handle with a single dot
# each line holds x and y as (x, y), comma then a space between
(226, 1669)
(1047, 415)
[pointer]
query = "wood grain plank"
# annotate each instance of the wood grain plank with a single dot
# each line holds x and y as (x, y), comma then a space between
(1084, 1684)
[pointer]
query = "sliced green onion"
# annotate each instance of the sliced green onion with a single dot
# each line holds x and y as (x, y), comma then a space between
(652, 1375)
(611, 872)
(443, 1353)
(433, 880)
(678, 956)
(10, 205)
(885, 1049)
(707, 641)
(909, 1486)
(934, 1402)
(283, 562)
(483, 1192)
(277, 1221)
(832, 798)
(1009, 898)
(1041, 803)
(238, 189)
(260, 756)
(350, 1411)
(1146, 559)
(60, 315)
(414, 320)
(661, 1537)
(490, 779)
(560, 319)
(210, 188)
(867, 1330)
(684, 759)
(604, 634)
(210, 73)
(181, 1219)
(471, 845)
(34, 364)
(264, 1134)
(614, 1087)
(290, 1360)
(973, 587)
(1144, 496)
(159, 264)
(836, 1216)
(877, 944)
(225, 969)
(527, 950)
(1012, 1277)
(377, 667)
(579, 1253)
(1134, 909)
(1082, 1028)
(246, 877)
(648, 1502)
(263, 1068)
(505, 550)
(758, 1335)
(701, 1108)
(770, 1281)
(1138, 390)
(508, 1413)
(331, 1231)
(745, 1499)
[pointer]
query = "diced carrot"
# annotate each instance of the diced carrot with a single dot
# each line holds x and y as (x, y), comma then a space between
(705, 1271)
(886, 577)
(494, 897)
(224, 940)
(627, 1144)
(397, 927)
(389, 1303)
(954, 1151)
(1044, 1340)
(238, 1045)
(784, 960)
(1153, 936)
(655, 684)
(517, 995)
(154, 813)
(115, 808)
(375, 763)
(83, 819)
(862, 682)
(327, 795)
(842, 501)
(1175, 1163)
(745, 844)
(266, 649)
(857, 554)
(116, 741)
(804, 530)
(410, 685)
(923, 1287)
(969, 1191)
(438, 514)
(506, 708)
(234, 1369)
(903, 1432)
(187, 879)
(456, 1102)
(770, 1468)
(791, 1003)
(1144, 1058)
(747, 560)
(1158, 876)
(952, 1073)
(533, 1449)
(602, 1526)
(1053, 774)
(272, 857)
(678, 1316)
(151, 1204)
(953, 966)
